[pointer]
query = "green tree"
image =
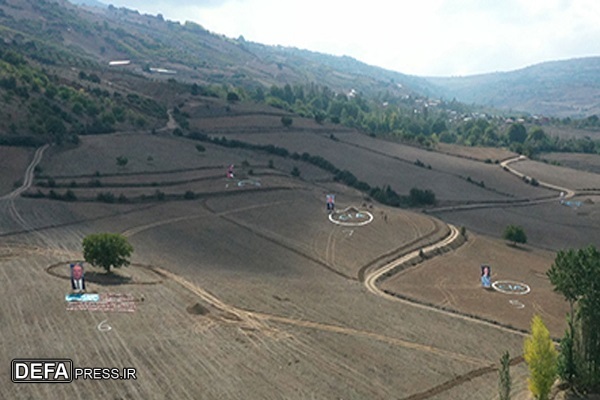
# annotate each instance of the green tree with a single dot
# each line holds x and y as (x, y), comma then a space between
(515, 234)
(541, 358)
(107, 250)
(233, 97)
(517, 133)
(504, 381)
(576, 275)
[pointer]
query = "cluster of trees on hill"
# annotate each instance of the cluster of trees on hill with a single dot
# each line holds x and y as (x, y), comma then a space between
(411, 119)
(517, 136)
(42, 105)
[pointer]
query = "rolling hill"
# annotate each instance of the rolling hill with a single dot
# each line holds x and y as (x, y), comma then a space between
(569, 88)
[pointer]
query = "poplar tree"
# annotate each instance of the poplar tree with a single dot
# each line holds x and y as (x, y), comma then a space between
(541, 357)
(504, 381)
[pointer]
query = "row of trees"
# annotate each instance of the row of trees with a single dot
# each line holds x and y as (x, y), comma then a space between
(385, 195)
(576, 275)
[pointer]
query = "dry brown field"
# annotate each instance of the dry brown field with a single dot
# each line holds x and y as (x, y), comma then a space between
(551, 226)
(561, 176)
(383, 163)
(13, 162)
(579, 161)
(452, 280)
(477, 153)
(254, 293)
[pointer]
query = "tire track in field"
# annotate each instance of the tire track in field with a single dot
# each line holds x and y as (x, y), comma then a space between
(437, 227)
(330, 248)
(138, 229)
(10, 198)
(459, 380)
(256, 321)
(273, 238)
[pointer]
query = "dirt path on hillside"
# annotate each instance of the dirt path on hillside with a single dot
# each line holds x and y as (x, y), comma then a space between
(8, 201)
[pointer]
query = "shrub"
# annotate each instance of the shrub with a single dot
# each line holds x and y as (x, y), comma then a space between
(106, 197)
(69, 196)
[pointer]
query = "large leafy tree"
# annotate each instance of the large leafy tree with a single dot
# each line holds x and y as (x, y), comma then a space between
(107, 250)
(576, 275)
(541, 356)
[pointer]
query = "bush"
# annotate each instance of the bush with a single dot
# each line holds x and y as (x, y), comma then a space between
(200, 148)
(189, 195)
(233, 97)
(69, 196)
(287, 121)
(122, 161)
(295, 172)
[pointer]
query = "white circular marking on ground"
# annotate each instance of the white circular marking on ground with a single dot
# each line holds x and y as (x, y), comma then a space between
(351, 217)
(248, 182)
(104, 327)
(517, 304)
(511, 287)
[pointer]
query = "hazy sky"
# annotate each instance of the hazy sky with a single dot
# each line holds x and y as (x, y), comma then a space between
(420, 37)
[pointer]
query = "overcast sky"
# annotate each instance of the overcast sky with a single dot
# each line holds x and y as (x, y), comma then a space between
(419, 37)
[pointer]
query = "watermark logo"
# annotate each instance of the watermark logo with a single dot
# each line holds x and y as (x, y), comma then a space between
(41, 370)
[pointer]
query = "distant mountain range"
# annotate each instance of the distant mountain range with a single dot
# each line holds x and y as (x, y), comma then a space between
(569, 88)
(100, 34)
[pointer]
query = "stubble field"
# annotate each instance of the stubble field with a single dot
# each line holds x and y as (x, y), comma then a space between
(257, 293)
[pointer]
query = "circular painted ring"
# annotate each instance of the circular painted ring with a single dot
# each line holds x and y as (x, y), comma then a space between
(511, 287)
(344, 219)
